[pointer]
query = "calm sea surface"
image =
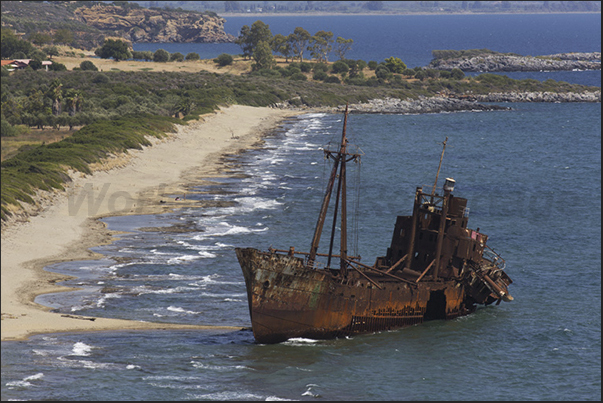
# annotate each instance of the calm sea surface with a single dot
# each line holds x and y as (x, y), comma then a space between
(533, 179)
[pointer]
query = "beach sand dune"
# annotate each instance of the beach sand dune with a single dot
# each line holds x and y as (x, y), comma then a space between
(135, 183)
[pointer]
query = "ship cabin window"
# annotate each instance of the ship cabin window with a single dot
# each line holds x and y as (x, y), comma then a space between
(402, 232)
(474, 245)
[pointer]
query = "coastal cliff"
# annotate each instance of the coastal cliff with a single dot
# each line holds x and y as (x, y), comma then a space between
(155, 25)
(505, 62)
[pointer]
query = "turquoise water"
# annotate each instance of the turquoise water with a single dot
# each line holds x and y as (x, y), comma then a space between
(533, 179)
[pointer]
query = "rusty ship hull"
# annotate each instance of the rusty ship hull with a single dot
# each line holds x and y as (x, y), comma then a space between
(288, 300)
(435, 268)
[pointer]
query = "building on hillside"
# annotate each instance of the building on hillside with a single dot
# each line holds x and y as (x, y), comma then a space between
(19, 64)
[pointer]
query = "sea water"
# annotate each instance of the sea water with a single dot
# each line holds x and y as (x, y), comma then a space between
(532, 176)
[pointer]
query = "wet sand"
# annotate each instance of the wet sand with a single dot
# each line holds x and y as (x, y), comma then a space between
(140, 182)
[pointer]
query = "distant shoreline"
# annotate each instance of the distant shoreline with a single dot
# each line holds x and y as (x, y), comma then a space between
(329, 14)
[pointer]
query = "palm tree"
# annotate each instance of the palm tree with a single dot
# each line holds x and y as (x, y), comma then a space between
(55, 92)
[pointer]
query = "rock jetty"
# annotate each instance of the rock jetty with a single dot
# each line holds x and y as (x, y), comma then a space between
(536, 97)
(501, 62)
(419, 106)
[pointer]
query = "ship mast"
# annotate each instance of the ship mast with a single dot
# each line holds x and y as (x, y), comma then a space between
(340, 157)
(439, 167)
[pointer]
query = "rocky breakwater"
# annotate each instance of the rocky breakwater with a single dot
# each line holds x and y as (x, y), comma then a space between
(417, 106)
(544, 96)
(502, 62)
(154, 25)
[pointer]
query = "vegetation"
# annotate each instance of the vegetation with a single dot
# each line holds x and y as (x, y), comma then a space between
(295, 44)
(45, 166)
(117, 109)
(114, 49)
(466, 54)
(224, 59)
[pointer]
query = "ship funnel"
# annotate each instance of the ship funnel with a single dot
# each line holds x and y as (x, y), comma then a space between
(449, 185)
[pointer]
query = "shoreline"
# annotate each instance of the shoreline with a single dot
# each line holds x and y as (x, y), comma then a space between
(140, 182)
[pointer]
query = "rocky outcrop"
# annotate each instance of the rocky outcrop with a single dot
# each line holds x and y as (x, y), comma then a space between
(418, 106)
(537, 97)
(154, 25)
(500, 62)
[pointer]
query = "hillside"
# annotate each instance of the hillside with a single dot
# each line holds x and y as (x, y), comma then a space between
(89, 23)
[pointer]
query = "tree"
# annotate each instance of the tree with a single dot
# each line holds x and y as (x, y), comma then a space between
(63, 36)
(224, 59)
(11, 44)
(259, 32)
(113, 49)
(55, 93)
(192, 56)
(340, 67)
(161, 55)
(383, 72)
(299, 41)
(395, 65)
(73, 101)
(263, 56)
(51, 51)
(457, 73)
(343, 46)
(39, 38)
(420, 74)
(280, 45)
(176, 57)
(243, 40)
(321, 45)
(249, 38)
(88, 65)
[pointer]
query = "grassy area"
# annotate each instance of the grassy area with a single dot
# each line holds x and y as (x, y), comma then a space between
(45, 166)
(35, 137)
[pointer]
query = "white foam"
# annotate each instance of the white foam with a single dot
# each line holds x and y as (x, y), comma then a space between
(298, 341)
(219, 368)
(81, 349)
(181, 310)
(228, 396)
(39, 375)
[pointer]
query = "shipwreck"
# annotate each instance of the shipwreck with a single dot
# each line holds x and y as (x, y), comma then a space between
(435, 268)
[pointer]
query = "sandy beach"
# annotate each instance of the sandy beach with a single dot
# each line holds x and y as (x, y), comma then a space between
(141, 182)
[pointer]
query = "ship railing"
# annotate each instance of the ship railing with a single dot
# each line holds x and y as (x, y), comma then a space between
(490, 255)
(294, 252)
(428, 196)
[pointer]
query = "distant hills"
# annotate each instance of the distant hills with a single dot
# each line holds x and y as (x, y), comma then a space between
(87, 24)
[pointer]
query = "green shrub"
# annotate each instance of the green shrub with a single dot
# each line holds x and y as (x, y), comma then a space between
(88, 65)
(224, 60)
(161, 56)
(320, 76)
(305, 67)
(176, 57)
(193, 56)
(298, 77)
